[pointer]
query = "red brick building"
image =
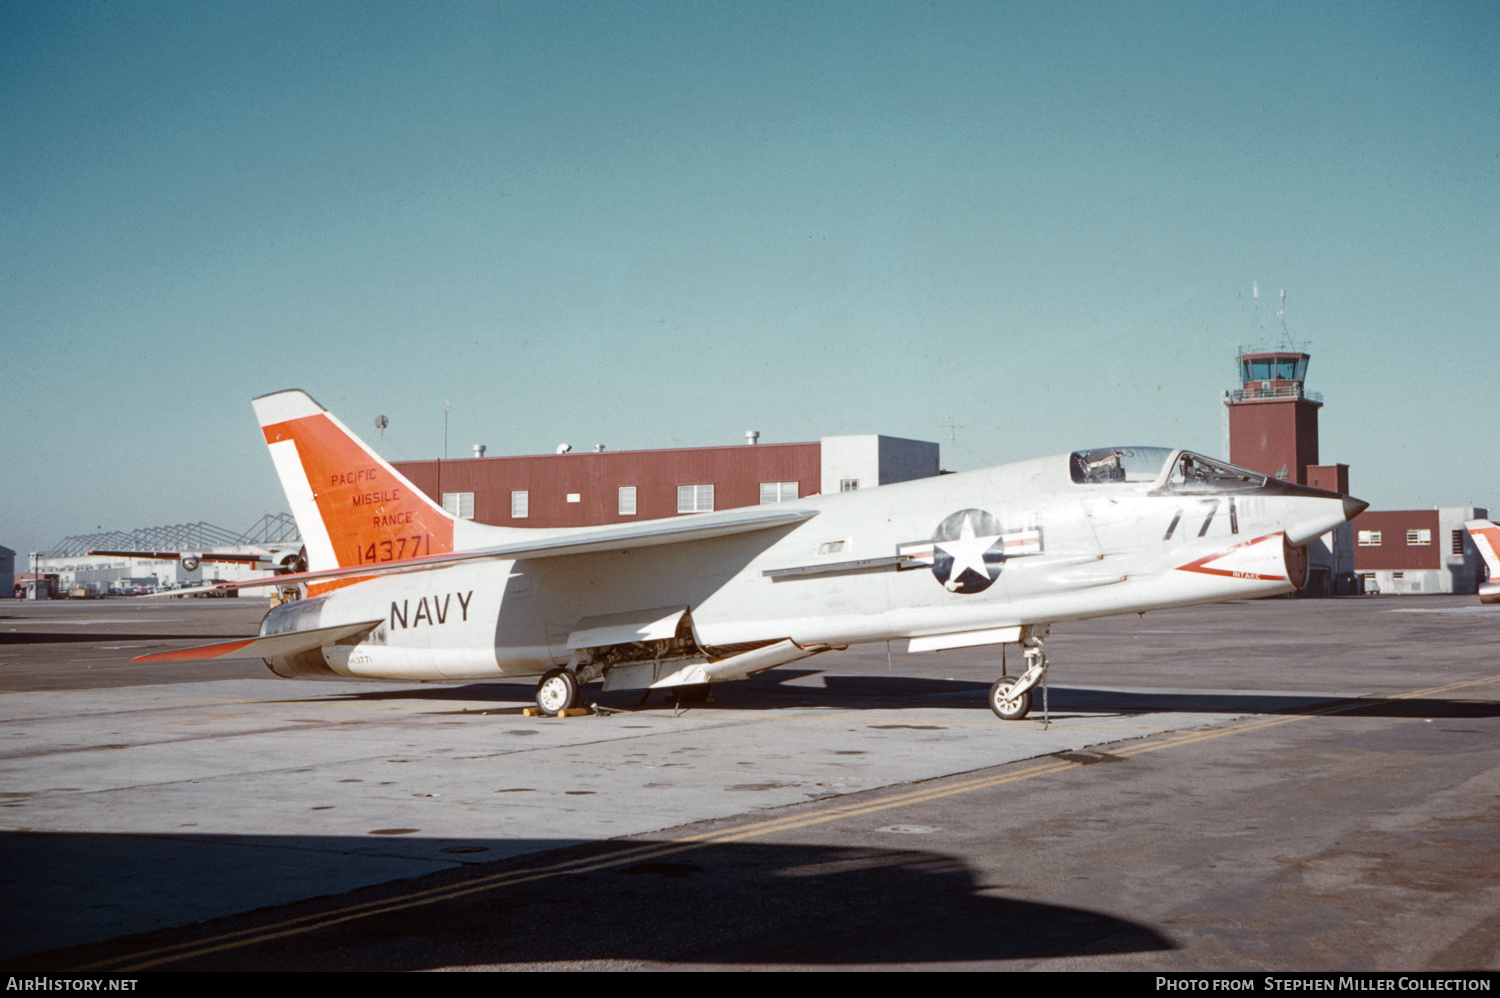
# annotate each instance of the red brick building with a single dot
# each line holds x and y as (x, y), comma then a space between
(1418, 550)
(582, 489)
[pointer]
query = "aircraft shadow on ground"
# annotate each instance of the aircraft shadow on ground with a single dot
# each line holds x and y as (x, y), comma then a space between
(888, 693)
(738, 903)
(95, 637)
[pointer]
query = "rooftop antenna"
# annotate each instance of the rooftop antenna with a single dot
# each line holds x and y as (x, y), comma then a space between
(446, 406)
(1287, 341)
(1255, 311)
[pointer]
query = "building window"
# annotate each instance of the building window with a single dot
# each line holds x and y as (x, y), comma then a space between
(848, 484)
(1418, 538)
(1458, 542)
(627, 500)
(777, 492)
(459, 504)
(520, 505)
(575, 497)
(695, 498)
(1369, 538)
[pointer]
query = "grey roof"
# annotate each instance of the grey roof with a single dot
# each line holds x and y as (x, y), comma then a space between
(277, 528)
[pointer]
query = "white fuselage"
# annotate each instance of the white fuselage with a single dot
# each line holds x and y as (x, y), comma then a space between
(1053, 549)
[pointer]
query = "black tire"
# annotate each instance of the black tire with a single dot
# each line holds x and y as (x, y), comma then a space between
(997, 692)
(556, 692)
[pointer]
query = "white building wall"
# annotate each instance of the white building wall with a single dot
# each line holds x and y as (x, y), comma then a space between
(1461, 571)
(1333, 554)
(871, 459)
(1408, 582)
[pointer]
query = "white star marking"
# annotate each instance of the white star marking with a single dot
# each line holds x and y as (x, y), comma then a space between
(967, 553)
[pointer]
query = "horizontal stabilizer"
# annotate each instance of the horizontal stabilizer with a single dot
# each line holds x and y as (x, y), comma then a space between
(274, 646)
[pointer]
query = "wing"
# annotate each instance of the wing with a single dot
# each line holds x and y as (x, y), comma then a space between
(588, 540)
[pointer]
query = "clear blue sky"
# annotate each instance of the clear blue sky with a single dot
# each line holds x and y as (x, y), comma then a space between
(662, 224)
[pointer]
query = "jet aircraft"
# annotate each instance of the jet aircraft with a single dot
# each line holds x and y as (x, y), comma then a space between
(399, 589)
(1486, 537)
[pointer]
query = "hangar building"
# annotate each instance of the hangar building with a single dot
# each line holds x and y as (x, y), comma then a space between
(79, 573)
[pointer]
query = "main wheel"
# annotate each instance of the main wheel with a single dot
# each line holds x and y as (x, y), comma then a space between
(1015, 709)
(557, 691)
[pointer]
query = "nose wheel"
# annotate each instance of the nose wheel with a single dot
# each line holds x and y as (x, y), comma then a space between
(1010, 696)
(1007, 704)
(557, 691)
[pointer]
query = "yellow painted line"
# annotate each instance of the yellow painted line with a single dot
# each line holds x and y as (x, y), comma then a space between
(652, 850)
(645, 851)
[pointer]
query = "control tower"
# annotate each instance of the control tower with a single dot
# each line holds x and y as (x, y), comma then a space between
(1273, 419)
(1273, 429)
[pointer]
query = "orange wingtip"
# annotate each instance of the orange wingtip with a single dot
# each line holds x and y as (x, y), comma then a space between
(198, 654)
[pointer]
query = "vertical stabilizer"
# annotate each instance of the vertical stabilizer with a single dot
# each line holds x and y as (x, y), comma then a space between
(351, 506)
(1486, 537)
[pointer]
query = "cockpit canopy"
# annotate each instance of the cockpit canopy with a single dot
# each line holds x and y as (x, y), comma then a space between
(1118, 464)
(1188, 472)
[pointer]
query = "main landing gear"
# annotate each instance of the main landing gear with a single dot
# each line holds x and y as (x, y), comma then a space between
(1010, 697)
(557, 691)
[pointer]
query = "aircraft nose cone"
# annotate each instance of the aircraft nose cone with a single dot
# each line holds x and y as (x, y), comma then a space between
(1353, 507)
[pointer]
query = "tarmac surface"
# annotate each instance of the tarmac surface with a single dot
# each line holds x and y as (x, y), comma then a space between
(1271, 785)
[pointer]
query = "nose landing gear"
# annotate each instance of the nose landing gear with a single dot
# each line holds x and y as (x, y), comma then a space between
(1010, 696)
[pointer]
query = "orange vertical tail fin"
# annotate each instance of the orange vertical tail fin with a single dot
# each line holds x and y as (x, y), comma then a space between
(1486, 537)
(351, 507)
